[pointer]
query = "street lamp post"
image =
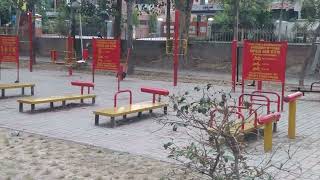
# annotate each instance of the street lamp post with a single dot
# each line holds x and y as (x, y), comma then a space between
(160, 20)
(210, 20)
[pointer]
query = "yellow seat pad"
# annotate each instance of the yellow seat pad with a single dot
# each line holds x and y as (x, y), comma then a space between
(55, 99)
(134, 108)
(16, 85)
(248, 126)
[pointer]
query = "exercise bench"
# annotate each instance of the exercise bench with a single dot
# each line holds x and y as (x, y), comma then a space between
(133, 108)
(52, 99)
(4, 87)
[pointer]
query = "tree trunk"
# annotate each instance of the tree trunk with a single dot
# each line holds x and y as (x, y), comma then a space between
(131, 63)
(117, 21)
(168, 19)
(33, 34)
(280, 21)
(309, 58)
(18, 14)
(184, 6)
(236, 19)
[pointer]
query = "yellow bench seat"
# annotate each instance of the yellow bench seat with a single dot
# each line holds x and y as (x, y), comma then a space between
(248, 127)
(130, 109)
(4, 87)
(52, 99)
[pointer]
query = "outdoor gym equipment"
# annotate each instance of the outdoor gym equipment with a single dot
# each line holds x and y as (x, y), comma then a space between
(83, 85)
(241, 124)
(267, 121)
(4, 87)
(116, 111)
(9, 47)
(310, 90)
(69, 55)
(262, 61)
(106, 56)
(250, 125)
(172, 47)
(273, 98)
(53, 99)
(9, 52)
(123, 68)
(292, 100)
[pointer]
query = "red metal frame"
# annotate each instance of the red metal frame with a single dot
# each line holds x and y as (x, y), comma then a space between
(278, 101)
(122, 91)
(53, 55)
(85, 54)
(239, 113)
(267, 100)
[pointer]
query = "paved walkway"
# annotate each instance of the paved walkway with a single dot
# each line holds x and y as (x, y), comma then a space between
(141, 137)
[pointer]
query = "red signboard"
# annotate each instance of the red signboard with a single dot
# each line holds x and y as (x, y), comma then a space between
(106, 54)
(264, 61)
(9, 49)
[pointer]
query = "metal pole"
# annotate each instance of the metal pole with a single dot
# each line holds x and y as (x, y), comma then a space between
(81, 41)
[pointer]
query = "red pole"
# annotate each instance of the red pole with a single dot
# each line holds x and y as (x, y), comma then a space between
(282, 95)
(234, 63)
(30, 40)
(176, 48)
(94, 55)
(18, 60)
(259, 86)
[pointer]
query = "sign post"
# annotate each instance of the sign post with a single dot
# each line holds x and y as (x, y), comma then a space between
(9, 51)
(264, 61)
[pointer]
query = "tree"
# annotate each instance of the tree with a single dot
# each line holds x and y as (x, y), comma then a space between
(153, 23)
(168, 19)
(212, 147)
(311, 11)
(252, 14)
(184, 6)
(5, 12)
(130, 35)
(117, 21)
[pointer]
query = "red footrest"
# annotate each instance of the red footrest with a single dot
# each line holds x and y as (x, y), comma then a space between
(158, 91)
(81, 83)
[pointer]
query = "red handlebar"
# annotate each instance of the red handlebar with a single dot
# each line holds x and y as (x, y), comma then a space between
(269, 118)
(292, 97)
(123, 91)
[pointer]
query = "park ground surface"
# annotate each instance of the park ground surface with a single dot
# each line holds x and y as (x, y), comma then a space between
(65, 143)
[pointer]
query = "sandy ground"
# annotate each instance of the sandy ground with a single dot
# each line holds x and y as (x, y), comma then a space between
(32, 157)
